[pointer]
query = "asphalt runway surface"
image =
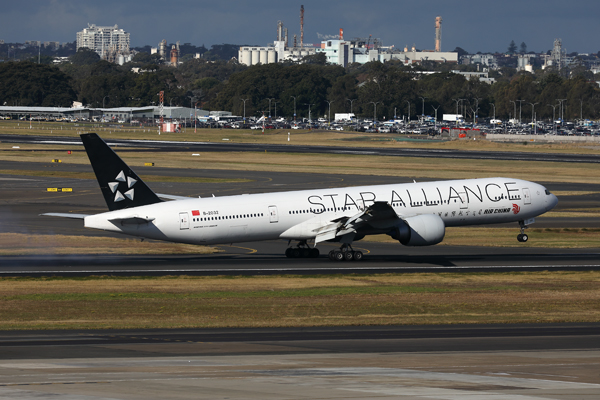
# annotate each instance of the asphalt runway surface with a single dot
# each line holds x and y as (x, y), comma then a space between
(173, 146)
(525, 362)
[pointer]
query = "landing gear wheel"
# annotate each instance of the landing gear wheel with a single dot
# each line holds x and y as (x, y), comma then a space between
(288, 252)
(348, 256)
(339, 256)
(524, 237)
(358, 255)
(296, 253)
(331, 255)
(313, 253)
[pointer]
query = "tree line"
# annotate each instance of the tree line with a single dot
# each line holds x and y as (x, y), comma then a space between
(384, 90)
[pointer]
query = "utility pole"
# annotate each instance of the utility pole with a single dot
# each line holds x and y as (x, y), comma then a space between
(408, 117)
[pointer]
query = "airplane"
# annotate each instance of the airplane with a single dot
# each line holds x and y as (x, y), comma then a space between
(415, 214)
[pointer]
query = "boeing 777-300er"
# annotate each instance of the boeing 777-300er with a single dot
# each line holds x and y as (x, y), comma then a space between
(415, 214)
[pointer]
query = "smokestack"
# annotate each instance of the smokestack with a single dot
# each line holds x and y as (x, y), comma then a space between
(302, 26)
(438, 34)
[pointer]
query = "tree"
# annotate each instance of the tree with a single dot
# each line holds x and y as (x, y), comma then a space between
(512, 47)
(523, 48)
(84, 56)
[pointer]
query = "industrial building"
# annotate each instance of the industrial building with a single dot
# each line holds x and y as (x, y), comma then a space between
(342, 52)
(110, 42)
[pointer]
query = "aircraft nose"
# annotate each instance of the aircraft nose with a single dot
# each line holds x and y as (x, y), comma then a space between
(551, 202)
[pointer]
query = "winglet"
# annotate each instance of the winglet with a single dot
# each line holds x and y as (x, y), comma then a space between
(120, 186)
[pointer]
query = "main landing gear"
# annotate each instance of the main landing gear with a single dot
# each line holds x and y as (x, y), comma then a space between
(522, 237)
(302, 251)
(345, 253)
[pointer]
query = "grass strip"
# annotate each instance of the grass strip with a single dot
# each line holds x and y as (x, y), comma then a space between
(28, 244)
(286, 301)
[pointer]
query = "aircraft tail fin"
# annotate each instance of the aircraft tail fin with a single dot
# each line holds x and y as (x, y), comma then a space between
(120, 186)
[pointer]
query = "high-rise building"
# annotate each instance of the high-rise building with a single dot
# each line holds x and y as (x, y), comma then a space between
(107, 41)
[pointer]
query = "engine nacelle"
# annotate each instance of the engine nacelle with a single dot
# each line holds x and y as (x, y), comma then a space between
(420, 230)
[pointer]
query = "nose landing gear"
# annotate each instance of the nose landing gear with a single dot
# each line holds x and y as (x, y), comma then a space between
(522, 237)
(346, 253)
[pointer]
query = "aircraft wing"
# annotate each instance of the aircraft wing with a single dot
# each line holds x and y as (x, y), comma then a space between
(65, 215)
(378, 216)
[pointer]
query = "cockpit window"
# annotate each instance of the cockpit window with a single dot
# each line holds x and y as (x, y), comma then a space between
(547, 192)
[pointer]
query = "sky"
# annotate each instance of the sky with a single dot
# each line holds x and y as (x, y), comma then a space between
(483, 25)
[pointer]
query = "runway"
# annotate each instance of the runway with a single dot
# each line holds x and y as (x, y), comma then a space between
(422, 362)
(174, 146)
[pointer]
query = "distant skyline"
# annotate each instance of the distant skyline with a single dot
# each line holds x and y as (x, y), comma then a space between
(485, 25)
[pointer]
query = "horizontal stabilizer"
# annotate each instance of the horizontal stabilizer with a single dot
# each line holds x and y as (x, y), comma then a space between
(65, 215)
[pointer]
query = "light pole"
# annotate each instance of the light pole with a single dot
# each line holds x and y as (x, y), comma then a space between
(553, 116)
(435, 120)
(520, 109)
(272, 98)
(244, 100)
(329, 113)
(408, 118)
(309, 104)
(351, 101)
(562, 115)
(532, 113)
(275, 109)
(581, 110)
(493, 105)
(374, 113)
(294, 97)
(423, 109)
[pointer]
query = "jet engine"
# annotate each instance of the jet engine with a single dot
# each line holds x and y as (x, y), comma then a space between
(420, 230)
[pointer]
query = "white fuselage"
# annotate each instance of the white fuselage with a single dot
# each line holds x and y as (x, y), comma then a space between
(296, 215)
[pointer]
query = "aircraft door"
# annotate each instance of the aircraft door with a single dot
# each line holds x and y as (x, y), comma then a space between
(273, 216)
(526, 196)
(184, 221)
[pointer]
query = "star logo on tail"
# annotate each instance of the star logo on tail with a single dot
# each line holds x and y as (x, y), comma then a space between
(128, 181)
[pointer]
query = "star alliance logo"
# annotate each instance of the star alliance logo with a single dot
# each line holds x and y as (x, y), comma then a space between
(114, 186)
